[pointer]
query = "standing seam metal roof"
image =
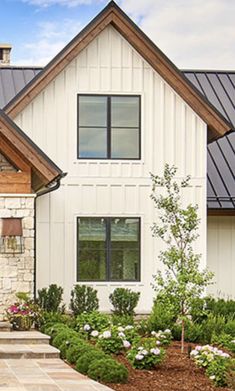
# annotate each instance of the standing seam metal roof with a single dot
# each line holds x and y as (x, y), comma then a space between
(219, 89)
(217, 86)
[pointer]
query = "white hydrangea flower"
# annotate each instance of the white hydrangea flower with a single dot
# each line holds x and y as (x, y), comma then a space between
(156, 351)
(139, 357)
(158, 343)
(121, 334)
(86, 327)
(140, 348)
(153, 333)
(212, 377)
(194, 353)
(107, 334)
(94, 333)
(126, 344)
(120, 328)
(129, 327)
(144, 352)
(233, 341)
(168, 331)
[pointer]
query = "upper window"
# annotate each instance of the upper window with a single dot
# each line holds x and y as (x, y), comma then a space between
(108, 249)
(108, 127)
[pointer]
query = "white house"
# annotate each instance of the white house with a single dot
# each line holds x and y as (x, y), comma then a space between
(109, 109)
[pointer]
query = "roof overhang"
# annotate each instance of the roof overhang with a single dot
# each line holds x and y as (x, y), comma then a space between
(113, 15)
(43, 170)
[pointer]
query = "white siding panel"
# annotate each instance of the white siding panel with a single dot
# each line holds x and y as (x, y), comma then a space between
(170, 132)
(221, 254)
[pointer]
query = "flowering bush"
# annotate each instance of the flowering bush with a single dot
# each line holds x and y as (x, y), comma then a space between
(162, 337)
(86, 323)
(146, 355)
(116, 339)
(214, 360)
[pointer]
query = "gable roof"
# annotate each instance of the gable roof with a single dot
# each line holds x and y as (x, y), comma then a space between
(219, 88)
(113, 15)
(44, 171)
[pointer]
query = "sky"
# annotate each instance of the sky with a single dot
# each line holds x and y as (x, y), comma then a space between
(194, 34)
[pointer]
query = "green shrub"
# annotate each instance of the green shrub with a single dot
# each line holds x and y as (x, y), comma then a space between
(221, 307)
(87, 358)
(124, 301)
(55, 329)
(224, 340)
(83, 299)
(145, 354)
(95, 320)
(70, 341)
(229, 327)
(212, 325)
(122, 320)
(62, 336)
(108, 370)
(163, 316)
(75, 351)
(110, 342)
(217, 371)
(49, 299)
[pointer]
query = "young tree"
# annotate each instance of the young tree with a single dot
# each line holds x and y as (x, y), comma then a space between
(182, 280)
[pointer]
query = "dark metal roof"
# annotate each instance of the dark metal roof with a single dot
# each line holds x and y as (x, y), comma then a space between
(219, 88)
(13, 79)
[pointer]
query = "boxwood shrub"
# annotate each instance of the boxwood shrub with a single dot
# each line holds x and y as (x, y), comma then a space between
(75, 351)
(108, 370)
(87, 358)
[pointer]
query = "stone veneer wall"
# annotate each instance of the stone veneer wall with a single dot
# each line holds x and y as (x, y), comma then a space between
(17, 270)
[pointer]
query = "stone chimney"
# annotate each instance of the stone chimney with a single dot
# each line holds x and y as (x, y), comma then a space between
(5, 50)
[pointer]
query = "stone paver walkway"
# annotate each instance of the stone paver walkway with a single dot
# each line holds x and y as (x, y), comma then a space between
(43, 375)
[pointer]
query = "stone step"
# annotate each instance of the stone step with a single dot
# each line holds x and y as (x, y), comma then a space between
(15, 351)
(5, 326)
(23, 337)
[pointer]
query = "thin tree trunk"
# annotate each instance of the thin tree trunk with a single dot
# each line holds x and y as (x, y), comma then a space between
(182, 336)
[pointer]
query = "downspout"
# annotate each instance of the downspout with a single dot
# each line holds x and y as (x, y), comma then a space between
(49, 188)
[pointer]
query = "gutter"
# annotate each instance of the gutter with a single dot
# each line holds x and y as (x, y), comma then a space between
(49, 188)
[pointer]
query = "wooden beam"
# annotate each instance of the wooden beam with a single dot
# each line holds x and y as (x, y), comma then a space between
(15, 182)
(221, 212)
(13, 156)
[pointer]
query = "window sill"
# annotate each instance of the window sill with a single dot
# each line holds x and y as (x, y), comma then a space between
(109, 283)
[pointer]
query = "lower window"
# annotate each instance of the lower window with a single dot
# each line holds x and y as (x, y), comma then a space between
(108, 249)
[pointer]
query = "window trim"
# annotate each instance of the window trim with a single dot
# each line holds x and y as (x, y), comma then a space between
(108, 242)
(109, 96)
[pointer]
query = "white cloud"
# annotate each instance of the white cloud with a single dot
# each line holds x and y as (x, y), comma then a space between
(67, 3)
(50, 39)
(193, 33)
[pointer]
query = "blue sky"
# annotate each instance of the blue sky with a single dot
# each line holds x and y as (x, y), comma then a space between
(193, 33)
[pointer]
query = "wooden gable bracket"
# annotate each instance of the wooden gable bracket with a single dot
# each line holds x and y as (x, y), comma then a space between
(36, 170)
(113, 15)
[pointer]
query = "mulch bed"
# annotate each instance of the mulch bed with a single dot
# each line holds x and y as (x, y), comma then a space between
(177, 373)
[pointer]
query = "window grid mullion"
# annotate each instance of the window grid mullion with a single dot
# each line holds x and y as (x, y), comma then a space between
(108, 248)
(109, 127)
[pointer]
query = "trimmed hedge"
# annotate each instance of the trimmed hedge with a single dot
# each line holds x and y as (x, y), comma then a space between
(86, 359)
(108, 370)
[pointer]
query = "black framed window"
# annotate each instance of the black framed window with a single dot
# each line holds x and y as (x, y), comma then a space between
(109, 127)
(108, 249)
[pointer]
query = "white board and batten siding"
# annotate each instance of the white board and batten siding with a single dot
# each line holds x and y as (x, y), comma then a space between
(221, 255)
(170, 132)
